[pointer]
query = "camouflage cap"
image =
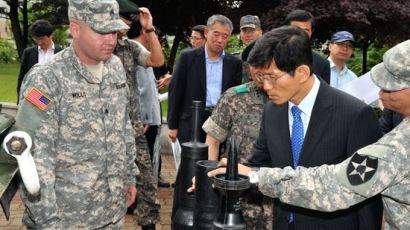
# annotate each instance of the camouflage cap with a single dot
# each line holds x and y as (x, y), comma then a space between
(250, 21)
(394, 72)
(101, 15)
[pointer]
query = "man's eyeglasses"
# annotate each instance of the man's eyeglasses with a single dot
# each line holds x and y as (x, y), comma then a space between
(346, 45)
(195, 38)
(271, 77)
(248, 30)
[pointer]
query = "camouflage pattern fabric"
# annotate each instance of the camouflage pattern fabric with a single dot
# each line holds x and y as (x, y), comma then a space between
(393, 73)
(147, 211)
(383, 168)
(131, 55)
(238, 115)
(101, 15)
(147, 205)
(83, 144)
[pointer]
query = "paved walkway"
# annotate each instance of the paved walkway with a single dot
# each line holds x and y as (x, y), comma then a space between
(164, 197)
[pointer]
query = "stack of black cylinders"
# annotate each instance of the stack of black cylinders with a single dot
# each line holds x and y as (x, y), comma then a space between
(191, 152)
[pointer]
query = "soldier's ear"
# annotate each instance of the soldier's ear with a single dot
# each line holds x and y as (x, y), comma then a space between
(74, 29)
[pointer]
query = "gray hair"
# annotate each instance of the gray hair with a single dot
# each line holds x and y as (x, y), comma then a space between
(220, 19)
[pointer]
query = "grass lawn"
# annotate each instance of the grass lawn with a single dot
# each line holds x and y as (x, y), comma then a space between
(8, 82)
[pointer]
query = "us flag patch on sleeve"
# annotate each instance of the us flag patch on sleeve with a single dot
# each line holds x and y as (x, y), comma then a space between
(38, 99)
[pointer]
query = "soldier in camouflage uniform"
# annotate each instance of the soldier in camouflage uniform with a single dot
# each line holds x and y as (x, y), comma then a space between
(379, 168)
(250, 30)
(75, 108)
(146, 208)
(238, 116)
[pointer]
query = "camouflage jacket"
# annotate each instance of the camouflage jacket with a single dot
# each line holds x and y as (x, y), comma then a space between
(382, 167)
(83, 143)
(132, 54)
(238, 115)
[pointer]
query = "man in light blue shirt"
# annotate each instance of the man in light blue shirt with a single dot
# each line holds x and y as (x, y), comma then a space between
(213, 79)
(341, 50)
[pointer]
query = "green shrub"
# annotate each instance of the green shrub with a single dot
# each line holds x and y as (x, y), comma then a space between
(374, 57)
(8, 53)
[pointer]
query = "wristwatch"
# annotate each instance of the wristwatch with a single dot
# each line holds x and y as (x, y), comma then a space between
(253, 176)
(149, 30)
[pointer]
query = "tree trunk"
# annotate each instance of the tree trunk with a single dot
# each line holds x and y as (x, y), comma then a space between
(15, 25)
(365, 47)
(173, 54)
(25, 24)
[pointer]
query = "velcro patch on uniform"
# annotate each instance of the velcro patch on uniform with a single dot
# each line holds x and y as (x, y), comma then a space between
(241, 89)
(38, 99)
(120, 85)
(361, 169)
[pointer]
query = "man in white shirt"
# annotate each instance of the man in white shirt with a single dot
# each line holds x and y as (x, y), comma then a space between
(42, 33)
(341, 50)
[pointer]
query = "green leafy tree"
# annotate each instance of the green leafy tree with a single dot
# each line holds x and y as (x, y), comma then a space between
(371, 21)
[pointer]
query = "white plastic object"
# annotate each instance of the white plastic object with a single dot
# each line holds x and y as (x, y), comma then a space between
(25, 162)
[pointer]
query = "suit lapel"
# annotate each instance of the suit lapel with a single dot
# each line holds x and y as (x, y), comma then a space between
(200, 63)
(318, 124)
(225, 73)
(281, 136)
(35, 55)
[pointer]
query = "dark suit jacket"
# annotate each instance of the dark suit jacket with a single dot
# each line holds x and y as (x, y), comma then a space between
(28, 59)
(389, 119)
(339, 125)
(321, 67)
(189, 84)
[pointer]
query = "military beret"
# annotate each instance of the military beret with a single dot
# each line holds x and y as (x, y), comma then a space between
(128, 7)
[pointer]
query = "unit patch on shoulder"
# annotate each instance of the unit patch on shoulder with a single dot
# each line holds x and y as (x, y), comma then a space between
(241, 89)
(38, 99)
(361, 169)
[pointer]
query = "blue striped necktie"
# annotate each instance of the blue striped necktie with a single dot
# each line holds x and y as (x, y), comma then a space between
(296, 141)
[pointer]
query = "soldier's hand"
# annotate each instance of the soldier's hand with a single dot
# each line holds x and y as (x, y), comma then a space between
(145, 18)
(131, 195)
(164, 82)
(172, 134)
(192, 188)
(146, 127)
(242, 169)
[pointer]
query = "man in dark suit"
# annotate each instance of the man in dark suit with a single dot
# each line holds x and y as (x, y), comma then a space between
(202, 74)
(305, 21)
(42, 34)
(308, 123)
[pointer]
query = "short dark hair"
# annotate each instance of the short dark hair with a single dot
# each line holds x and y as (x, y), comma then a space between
(287, 46)
(300, 16)
(41, 28)
(200, 29)
(135, 30)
